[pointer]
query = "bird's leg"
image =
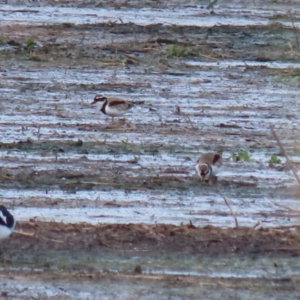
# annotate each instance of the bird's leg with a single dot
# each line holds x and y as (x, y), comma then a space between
(213, 180)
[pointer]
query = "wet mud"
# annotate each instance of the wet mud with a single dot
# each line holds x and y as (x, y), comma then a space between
(118, 204)
(134, 260)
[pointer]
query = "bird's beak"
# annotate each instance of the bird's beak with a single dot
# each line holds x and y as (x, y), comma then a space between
(93, 102)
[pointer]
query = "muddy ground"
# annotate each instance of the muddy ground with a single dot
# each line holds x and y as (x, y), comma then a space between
(114, 210)
(53, 258)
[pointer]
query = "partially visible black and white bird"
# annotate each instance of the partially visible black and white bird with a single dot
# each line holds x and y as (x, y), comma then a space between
(113, 107)
(7, 222)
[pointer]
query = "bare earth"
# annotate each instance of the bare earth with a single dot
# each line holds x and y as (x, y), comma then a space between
(115, 210)
(52, 255)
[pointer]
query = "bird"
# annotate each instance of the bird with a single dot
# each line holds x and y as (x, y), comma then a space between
(113, 107)
(7, 222)
(208, 166)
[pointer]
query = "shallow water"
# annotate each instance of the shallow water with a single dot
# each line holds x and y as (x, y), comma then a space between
(193, 15)
(249, 102)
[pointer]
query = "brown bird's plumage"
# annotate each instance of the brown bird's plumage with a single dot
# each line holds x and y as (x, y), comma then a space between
(114, 106)
(208, 165)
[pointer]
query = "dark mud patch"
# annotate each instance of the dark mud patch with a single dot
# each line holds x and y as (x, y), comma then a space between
(209, 240)
(153, 45)
(163, 257)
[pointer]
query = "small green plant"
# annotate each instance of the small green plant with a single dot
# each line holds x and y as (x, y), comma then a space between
(241, 156)
(274, 159)
(2, 40)
(30, 44)
(177, 50)
(288, 74)
(296, 150)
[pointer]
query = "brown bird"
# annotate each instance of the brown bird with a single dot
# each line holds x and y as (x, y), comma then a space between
(208, 166)
(114, 107)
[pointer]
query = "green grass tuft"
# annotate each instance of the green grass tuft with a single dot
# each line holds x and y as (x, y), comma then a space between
(30, 44)
(177, 50)
(2, 40)
(241, 156)
(274, 159)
